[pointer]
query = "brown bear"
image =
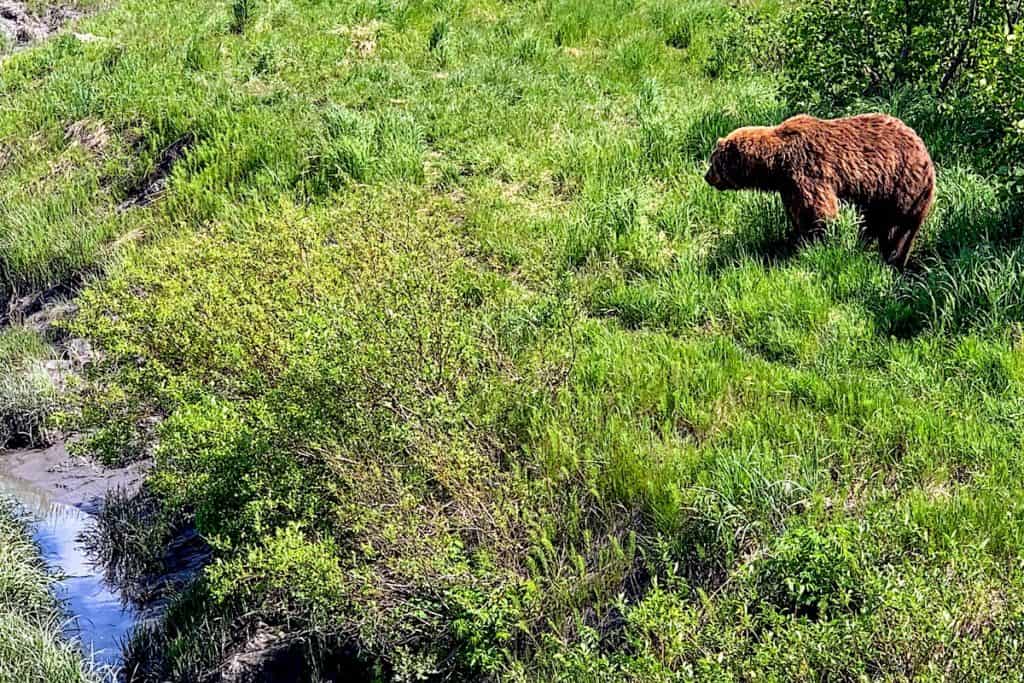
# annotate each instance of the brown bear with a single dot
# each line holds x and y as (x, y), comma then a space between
(873, 161)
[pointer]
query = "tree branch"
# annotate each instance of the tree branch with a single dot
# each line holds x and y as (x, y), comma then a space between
(961, 52)
(1012, 14)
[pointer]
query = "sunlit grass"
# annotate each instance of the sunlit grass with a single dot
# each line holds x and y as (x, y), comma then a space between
(27, 393)
(460, 363)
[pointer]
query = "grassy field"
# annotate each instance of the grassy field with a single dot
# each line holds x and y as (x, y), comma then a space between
(464, 371)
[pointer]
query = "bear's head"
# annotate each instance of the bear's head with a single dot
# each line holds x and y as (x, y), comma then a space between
(724, 166)
(747, 159)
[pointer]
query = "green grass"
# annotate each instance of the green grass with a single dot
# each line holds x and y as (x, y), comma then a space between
(463, 368)
(31, 645)
(28, 396)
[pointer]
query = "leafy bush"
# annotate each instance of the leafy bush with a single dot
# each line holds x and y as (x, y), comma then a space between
(348, 423)
(811, 574)
(998, 93)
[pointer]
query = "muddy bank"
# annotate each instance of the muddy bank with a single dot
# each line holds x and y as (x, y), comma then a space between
(19, 26)
(53, 476)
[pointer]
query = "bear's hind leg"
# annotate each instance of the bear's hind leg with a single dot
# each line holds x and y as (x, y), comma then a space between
(896, 248)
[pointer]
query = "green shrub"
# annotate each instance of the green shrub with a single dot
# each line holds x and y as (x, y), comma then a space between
(812, 575)
(347, 427)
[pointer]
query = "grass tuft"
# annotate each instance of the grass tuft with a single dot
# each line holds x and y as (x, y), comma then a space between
(28, 396)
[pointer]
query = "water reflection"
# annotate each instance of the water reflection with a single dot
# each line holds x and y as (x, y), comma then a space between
(97, 616)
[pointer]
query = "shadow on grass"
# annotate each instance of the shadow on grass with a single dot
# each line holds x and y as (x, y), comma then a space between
(965, 274)
(762, 235)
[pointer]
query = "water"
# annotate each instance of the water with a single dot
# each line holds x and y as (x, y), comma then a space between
(97, 616)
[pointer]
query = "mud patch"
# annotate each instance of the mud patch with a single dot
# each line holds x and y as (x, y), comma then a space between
(20, 27)
(64, 478)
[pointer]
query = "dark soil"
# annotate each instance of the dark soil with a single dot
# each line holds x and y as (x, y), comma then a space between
(153, 185)
(20, 27)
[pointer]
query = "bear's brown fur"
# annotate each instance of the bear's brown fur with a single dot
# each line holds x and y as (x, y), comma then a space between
(873, 161)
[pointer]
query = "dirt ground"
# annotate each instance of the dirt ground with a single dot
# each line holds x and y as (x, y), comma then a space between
(64, 478)
(20, 26)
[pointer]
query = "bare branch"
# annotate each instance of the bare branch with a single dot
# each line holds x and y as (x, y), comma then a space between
(961, 53)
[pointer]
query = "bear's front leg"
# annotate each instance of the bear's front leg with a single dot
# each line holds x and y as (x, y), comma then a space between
(809, 214)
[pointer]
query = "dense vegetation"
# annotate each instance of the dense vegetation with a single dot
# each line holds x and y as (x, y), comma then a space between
(464, 371)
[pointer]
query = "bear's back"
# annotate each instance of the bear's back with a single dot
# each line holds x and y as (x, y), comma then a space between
(865, 159)
(870, 129)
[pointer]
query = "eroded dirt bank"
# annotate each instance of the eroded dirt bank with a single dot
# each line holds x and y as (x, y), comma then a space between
(19, 26)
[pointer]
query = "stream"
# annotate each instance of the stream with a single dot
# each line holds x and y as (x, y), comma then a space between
(60, 495)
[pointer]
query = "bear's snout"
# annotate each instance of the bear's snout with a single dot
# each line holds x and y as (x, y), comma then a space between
(712, 179)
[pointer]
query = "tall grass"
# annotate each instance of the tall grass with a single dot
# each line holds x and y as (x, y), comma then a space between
(28, 396)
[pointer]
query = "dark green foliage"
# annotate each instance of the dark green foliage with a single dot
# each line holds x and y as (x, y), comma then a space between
(812, 575)
(241, 14)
